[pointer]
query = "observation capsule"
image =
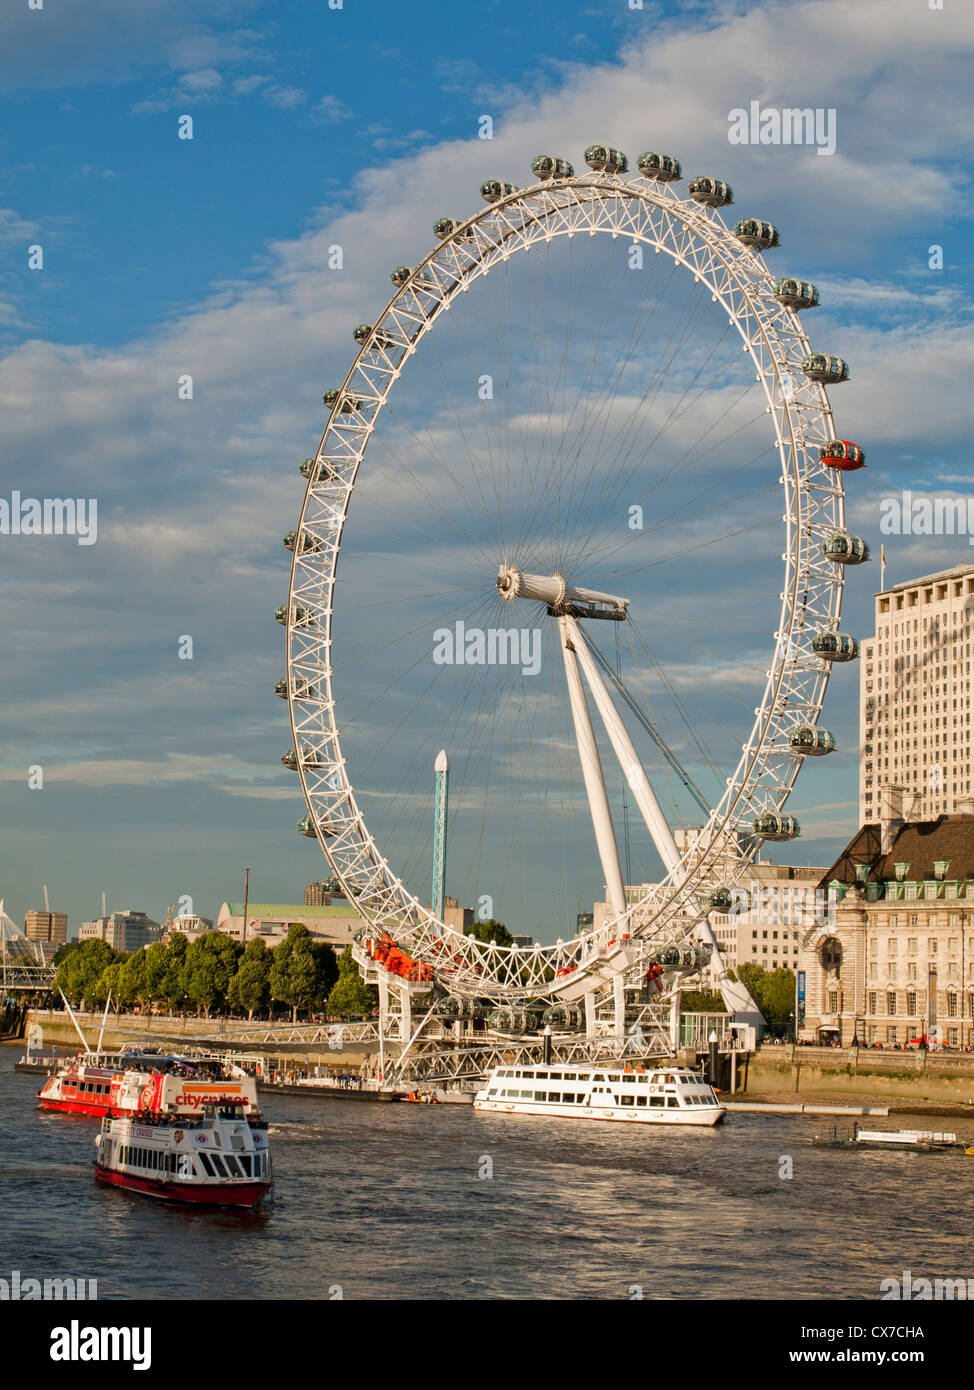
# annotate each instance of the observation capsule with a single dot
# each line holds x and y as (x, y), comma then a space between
(367, 335)
(549, 166)
(770, 825)
(796, 294)
(318, 470)
(821, 366)
(507, 1020)
(302, 689)
(306, 826)
(845, 549)
(811, 742)
(842, 453)
(761, 236)
(606, 160)
(445, 227)
(449, 1008)
(290, 760)
(663, 168)
(715, 193)
(310, 545)
(835, 646)
(347, 405)
(721, 900)
(494, 189)
(679, 957)
(563, 1018)
(299, 616)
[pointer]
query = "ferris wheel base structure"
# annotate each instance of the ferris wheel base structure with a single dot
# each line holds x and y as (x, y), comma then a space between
(603, 970)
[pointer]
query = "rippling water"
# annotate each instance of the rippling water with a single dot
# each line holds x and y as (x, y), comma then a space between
(386, 1202)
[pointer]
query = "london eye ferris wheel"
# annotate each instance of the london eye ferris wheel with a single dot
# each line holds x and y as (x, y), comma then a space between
(577, 516)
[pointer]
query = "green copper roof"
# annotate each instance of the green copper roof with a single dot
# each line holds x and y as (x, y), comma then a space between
(290, 912)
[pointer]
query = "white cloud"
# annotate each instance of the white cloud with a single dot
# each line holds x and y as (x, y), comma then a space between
(332, 108)
(284, 97)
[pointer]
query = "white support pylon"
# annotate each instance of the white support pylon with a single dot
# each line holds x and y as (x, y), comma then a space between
(632, 768)
(588, 755)
(736, 995)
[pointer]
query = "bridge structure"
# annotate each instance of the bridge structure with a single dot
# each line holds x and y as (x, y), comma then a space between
(23, 969)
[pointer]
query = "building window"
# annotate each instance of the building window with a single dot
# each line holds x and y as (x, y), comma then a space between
(911, 1005)
(891, 1035)
(951, 1005)
(891, 1002)
(833, 1001)
(872, 1001)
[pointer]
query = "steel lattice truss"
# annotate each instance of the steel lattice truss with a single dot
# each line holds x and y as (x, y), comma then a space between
(698, 239)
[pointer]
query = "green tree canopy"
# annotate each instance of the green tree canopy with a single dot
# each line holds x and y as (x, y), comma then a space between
(351, 995)
(294, 970)
(491, 930)
(81, 969)
(109, 982)
(326, 972)
(164, 971)
(250, 987)
(702, 1001)
(774, 990)
(210, 965)
(133, 985)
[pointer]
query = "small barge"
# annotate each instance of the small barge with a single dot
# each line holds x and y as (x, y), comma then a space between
(908, 1140)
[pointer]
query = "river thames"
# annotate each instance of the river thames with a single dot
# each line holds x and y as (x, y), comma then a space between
(388, 1202)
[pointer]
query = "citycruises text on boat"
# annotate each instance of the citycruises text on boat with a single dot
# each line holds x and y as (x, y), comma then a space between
(219, 1157)
(124, 1083)
(664, 1096)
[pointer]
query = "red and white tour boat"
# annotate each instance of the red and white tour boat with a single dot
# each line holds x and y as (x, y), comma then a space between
(125, 1083)
(219, 1158)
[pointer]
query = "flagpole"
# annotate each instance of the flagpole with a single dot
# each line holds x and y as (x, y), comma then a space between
(882, 568)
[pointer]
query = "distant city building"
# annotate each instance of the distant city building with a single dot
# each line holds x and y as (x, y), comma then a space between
(189, 925)
(773, 907)
(46, 926)
(335, 924)
(317, 895)
(459, 918)
(127, 930)
(522, 940)
(899, 957)
(915, 692)
(773, 910)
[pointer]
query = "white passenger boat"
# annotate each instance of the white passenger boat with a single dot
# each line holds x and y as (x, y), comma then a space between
(217, 1158)
(660, 1096)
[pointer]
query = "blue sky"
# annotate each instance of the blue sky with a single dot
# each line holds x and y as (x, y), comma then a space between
(358, 126)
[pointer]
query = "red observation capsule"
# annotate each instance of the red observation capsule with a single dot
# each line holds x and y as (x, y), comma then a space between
(842, 453)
